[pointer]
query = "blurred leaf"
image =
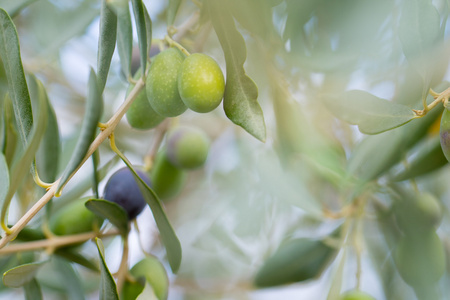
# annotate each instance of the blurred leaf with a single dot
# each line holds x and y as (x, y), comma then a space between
(93, 112)
(95, 175)
(240, 99)
(10, 133)
(172, 11)
(14, 7)
(20, 275)
(18, 90)
(33, 290)
(30, 234)
(74, 289)
(168, 235)
(296, 260)
(373, 115)
(108, 289)
(338, 276)
(111, 211)
(139, 15)
(106, 43)
(428, 159)
(4, 175)
(47, 157)
(72, 254)
(124, 35)
(147, 293)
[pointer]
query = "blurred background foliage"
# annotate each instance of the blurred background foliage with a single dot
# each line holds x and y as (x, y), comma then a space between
(313, 174)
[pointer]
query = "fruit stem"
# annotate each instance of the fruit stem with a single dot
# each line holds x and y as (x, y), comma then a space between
(172, 43)
(439, 98)
(123, 267)
(160, 133)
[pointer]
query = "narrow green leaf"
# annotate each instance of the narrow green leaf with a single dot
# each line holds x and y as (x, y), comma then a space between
(95, 175)
(74, 256)
(168, 236)
(47, 157)
(32, 290)
(124, 35)
(10, 138)
(65, 270)
(373, 115)
(20, 275)
(111, 211)
(4, 177)
(106, 43)
(92, 116)
(14, 7)
(18, 90)
(108, 289)
(139, 15)
(428, 159)
(240, 100)
(172, 11)
(148, 28)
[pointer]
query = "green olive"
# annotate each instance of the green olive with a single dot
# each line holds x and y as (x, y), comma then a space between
(162, 85)
(154, 273)
(356, 295)
(167, 179)
(420, 259)
(201, 83)
(141, 115)
(74, 218)
(187, 147)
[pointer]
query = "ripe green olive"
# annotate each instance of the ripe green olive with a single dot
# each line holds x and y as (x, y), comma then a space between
(201, 83)
(444, 132)
(420, 259)
(162, 84)
(141, 115)
(356, 295)
(187, 147)
(167, 179)
(74, 218)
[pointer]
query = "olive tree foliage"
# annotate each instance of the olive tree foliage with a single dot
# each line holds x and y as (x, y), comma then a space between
(326, 159)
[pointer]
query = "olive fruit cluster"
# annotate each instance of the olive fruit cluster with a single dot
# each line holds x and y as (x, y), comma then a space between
(123, 190)
(419, 254)
(174, 84)
(186, 148)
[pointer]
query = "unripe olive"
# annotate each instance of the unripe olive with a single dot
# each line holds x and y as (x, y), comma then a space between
(167, 179)
(356, 295)
(420, 260)
(74, 218)
(123, 190)
(162, 83)
(187, 147)
(152, 271)
(444, 133)
(141, 115)
(201, 83)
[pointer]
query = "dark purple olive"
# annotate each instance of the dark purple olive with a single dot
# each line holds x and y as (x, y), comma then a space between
(123, 190)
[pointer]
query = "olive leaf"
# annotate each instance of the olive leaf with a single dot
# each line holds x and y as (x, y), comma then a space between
(66, 271)
(4, 175)
(124, 34)
(172, 11)
(108, 288)
(373, 115)
(73, 255)
(106, 43)
(139, 15)
(88, 128)
(20, 275)
(111, 211)
(10, 139)
(148, 28)
(32, 290)
(240, 99)
(18, 89)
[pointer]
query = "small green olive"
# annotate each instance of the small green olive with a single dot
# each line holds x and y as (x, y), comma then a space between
(141, 115)
(187, 147)
(356, 295)
(74, 218)
(162, 85)
(201, 83)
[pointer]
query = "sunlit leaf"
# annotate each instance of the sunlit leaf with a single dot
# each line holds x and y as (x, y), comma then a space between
(18, 276)
(108, 289)
(124, 35)
(111, 211)
(241, 93)
(168, 236)
(18, 89)
(172, 11)
(65, 270)
(94, 107)
(32, 290)
(106, 43)
(372, 114)
(139, 15)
